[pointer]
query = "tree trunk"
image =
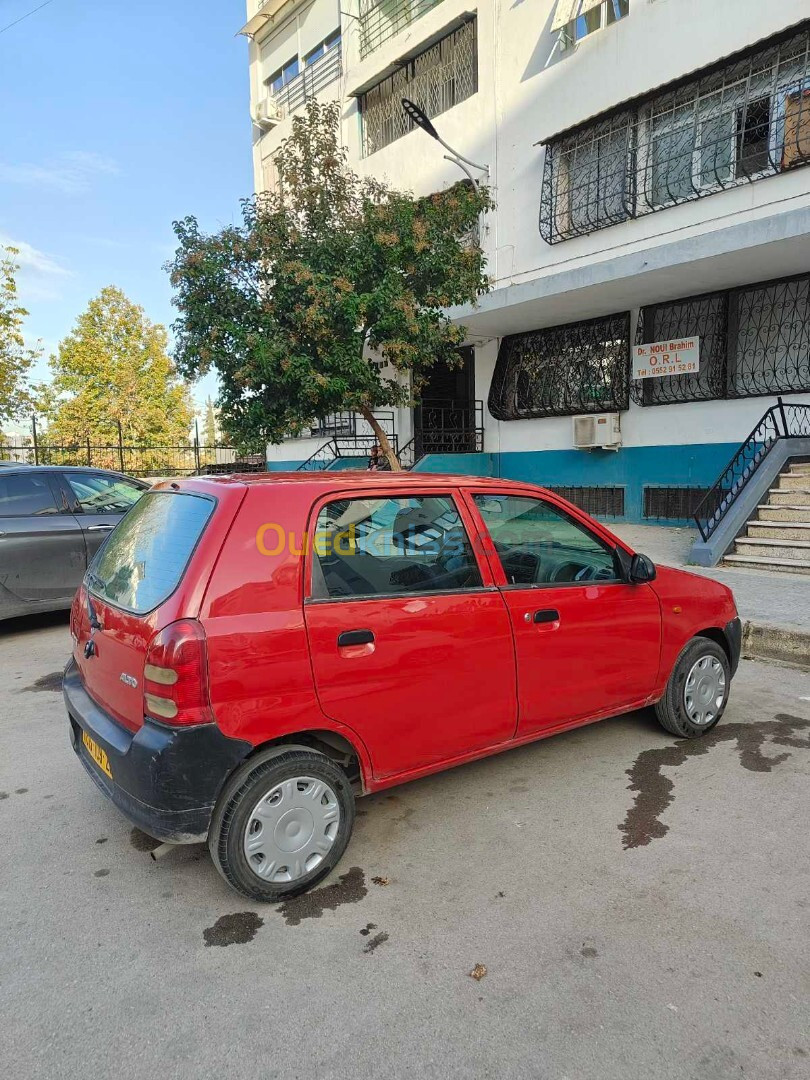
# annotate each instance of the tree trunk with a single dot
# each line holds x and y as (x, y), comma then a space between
(382, 438)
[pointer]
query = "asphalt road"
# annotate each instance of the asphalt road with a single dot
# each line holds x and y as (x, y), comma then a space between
(641, 908)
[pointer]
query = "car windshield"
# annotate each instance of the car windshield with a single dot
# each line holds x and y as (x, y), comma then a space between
(145, 557)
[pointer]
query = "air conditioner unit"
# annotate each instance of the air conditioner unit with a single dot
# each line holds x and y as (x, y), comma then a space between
(268, 113)
(598, 431)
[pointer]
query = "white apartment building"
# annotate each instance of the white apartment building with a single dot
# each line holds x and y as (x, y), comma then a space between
(646, 158)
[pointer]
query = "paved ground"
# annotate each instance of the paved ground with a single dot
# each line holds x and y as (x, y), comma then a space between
(764, 597)
(640, 905)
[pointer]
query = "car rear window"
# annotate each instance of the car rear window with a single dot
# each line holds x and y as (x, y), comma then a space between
(144, 559)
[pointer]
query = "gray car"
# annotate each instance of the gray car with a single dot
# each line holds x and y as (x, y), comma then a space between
(52, 521)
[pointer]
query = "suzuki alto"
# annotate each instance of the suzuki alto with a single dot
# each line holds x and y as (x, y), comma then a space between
(253, 653)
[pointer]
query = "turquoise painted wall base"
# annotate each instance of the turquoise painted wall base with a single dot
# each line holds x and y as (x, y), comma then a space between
(632, 467)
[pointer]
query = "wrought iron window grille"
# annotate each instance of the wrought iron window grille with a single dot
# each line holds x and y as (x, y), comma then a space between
(380, 20)
(597, 501)
(442, 76)
(733, 124)
(754, 340)
(581, 367)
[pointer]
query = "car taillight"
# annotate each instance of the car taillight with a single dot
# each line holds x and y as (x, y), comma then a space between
(175, 677)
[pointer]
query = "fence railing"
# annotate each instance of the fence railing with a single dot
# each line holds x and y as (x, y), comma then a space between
(186, 459)
(310, 80)
(781, 421)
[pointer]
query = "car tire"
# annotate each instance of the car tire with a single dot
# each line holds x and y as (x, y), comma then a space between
(697, 692)
(282, 823)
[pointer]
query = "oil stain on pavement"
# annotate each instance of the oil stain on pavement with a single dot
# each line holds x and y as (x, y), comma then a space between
(236, 929)
(52, 682)
(655, 791)
(348, 889)
(378, 939)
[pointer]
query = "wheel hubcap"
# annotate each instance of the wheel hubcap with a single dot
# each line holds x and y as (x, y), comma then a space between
(705, 690)
(291, 829)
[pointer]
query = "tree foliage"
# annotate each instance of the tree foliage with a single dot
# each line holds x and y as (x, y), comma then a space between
(210, 424)
(16, 358)
(323, 275)
(114, 368)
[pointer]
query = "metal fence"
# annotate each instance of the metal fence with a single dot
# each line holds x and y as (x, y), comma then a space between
(436, 80)
(563, 370)
(186, 459)
(735, 123)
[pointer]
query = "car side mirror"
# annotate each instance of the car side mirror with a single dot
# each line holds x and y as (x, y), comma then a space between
(642, 570)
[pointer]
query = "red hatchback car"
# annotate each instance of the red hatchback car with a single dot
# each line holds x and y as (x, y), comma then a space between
(251, 653)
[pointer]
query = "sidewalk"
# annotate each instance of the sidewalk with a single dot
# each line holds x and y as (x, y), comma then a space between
(775, 608)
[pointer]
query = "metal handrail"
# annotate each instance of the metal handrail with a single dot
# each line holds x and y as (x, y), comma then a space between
(319, 460)
(780, 421)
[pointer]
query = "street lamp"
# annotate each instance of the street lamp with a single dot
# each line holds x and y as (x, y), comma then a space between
(420, 118)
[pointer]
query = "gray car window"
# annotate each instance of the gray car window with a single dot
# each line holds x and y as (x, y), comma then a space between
(100, 494)
(25, 494)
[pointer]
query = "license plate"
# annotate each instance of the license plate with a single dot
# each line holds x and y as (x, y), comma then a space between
(97, 754)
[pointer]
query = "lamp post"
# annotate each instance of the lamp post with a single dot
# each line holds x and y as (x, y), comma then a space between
(422, 120)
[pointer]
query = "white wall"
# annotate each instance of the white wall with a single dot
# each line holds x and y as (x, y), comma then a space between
(529, 90)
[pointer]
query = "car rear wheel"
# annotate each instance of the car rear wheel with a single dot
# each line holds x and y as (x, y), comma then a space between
(282, 823)
(697, 691)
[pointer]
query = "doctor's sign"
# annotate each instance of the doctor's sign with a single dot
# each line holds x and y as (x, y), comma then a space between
(660, 358)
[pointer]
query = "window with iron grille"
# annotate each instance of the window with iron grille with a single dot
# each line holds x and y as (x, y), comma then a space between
(597, 501)
(382, 19)
(754, 340)
(436, 80)
(735, 123)
(672, 503)
(582, 367)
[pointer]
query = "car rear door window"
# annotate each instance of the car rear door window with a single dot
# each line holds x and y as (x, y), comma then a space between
(144, 559)
(539, 544)
(383, 547)
(100, 494)
(24, 494)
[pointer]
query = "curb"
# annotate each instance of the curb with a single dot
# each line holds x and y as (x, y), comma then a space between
(787, 646)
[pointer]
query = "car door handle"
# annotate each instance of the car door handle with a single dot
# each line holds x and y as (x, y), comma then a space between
(355, 637)
(99, 528)
(546, 615)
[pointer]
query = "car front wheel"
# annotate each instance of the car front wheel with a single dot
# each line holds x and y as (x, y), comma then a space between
(282, 823)
(697, 692)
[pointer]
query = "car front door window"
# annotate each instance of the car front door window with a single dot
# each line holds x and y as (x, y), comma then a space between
(99, 494)
(539, 544)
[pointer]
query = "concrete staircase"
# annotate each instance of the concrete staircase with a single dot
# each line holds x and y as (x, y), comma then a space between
(778, 538)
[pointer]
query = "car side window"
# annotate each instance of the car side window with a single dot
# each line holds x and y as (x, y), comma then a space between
(538, 544)
(382, 547)
(24, 494)
(99, 494)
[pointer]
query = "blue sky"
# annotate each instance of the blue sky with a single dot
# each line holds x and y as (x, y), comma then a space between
(115, 120)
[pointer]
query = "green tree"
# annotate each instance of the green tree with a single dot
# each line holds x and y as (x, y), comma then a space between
(210, 423)
(16, 358)
(114, 368)
(291, 306)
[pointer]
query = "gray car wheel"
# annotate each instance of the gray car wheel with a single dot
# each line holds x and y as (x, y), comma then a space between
(696, 694)
(281, 823)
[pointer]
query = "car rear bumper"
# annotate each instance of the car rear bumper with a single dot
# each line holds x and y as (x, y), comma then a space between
(165, 780)
(734, 639)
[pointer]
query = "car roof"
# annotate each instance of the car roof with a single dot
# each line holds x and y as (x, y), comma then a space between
(346, 479)
(70, 469)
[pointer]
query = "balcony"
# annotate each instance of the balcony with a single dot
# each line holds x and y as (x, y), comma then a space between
(442, 76)
(380, 20)
(309, 82)
(735, 123)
